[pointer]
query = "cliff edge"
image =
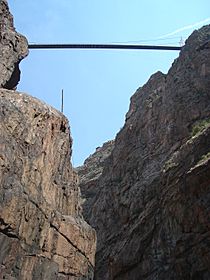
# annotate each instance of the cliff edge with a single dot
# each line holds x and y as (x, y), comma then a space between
(13, 46)
(151, 203)
(42, 232)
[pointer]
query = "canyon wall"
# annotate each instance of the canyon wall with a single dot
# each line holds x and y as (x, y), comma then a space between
(89, 174)
(151, 202)
(13, 48)
(42, 232)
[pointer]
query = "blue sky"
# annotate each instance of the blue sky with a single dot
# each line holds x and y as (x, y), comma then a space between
(98, 84)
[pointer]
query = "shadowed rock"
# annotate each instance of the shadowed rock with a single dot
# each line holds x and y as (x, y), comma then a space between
(89, 174)
(13, 48)
(151, 203)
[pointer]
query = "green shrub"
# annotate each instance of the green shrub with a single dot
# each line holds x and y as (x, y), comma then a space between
(200, 126)
(203, 158)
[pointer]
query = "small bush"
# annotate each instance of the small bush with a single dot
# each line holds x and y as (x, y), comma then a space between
(200, 126)
(203, 159)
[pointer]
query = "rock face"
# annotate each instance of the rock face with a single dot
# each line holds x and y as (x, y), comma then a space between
(42, 232)
(151, 207)
(89, 174)
(13, 46)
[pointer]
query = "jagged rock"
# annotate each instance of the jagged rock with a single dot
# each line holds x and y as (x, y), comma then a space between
(13, 48)
(90, 172)
(151, 207)
(42, 232)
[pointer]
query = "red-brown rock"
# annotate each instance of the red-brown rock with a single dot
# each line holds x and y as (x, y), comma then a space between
(42, 232)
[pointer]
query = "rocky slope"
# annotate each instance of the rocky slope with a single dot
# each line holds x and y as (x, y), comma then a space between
(13, 48)
(42, 232)
(89, 174)
(151, 204)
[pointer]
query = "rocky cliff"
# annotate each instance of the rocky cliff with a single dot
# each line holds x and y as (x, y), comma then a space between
(151, 203)
(42, 232)
(13, 48)
(89, 174)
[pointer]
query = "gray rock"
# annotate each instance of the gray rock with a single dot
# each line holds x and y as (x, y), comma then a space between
(13, 48)
(151, 203)
(89, 174)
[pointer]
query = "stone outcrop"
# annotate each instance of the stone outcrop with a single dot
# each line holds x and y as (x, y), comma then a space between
(13, 48)
(42, 232)
(89, 174)
(151, 204)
